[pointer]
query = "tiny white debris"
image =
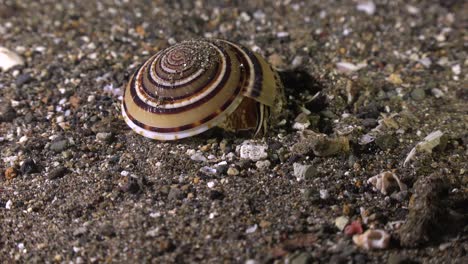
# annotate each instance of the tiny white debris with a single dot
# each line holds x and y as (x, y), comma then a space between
(251, 229)
(91, 98)
(208, 170)
(253, 152)
(251, 261)
(366, 6)
(430, 141)
(437, 92)
(282, 34)
(20, 246)
(366, 139)
(426, 62)
(212, 215)
(211, 184)
(324, 194)
(109, 88)
(456, 69)
(347, 67)
(412, 9)
(153, 232)
(23, 139)
(386, 180)
(198, 157)
(245, 17)
(372, 239)
(190, 152)
(155, 214)
(9, 59)
(301, 126)
(297, 61)
(124, 173)
(259, 15)
(8, 204)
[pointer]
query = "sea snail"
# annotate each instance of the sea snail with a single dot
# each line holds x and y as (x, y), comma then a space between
(195, 85)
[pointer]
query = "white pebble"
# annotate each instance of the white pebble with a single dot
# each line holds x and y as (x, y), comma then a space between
(253, 152)
(251, 229)
(211, 184)
(456, 69)
(8, 204)
(367, 6)
(324, 194)
(263, 164)
(9, 59)
(437, 92)
(198, 157)
(208, 170)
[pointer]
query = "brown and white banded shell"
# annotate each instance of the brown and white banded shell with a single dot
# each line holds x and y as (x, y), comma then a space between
(195, 85)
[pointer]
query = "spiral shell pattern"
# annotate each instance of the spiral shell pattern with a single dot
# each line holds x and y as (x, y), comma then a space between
(194, 85)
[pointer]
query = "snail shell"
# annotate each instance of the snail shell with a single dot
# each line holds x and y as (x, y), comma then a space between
(195, 85)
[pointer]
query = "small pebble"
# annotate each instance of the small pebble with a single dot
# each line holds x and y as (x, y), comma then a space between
(211, 184)
(208, 170)
(324, 194)
(366, 6)
(58, 173)
(22, 79)
(59, 146)
(9, 59)
(251, 229)
(437, 93)
(198, 157)
(341, 222)
(263, 164)
(7, 113)
(8, 204)
(253, 152)
(11, 173)
(418, 94)
(232, 171)
(175, 194)
(302, 172)
(104, 136)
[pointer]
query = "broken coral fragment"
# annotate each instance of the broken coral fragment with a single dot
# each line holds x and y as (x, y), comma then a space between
(385, 181)
(372, 239)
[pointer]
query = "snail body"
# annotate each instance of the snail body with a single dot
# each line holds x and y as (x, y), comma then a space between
(195, 85)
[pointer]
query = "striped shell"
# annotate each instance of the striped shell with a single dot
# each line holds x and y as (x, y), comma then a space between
(195, 85)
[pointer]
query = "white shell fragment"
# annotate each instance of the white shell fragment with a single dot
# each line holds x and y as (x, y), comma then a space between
(430, 141)
(386, 180)
(366, 6)
(347, 67)
(9, 59)
(372, 239)
(253, 152)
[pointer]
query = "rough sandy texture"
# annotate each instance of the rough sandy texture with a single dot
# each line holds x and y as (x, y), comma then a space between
(78, 185)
